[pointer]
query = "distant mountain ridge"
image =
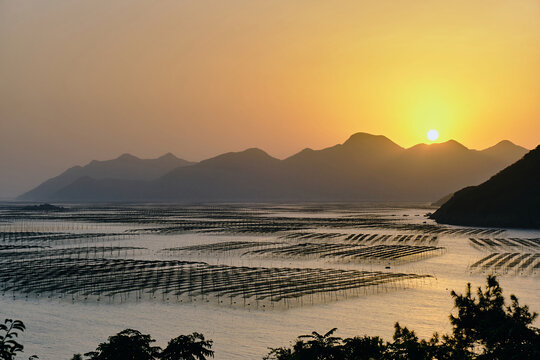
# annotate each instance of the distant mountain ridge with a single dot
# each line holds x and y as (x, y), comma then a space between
(124, 167)
(364, 168)
(511, 198)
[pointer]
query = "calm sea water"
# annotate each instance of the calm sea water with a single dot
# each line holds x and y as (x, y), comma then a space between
(58, 328)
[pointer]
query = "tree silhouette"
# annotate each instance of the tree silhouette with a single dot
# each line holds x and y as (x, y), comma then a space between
(128, 344)
(188, 347)
(322, 346)
(485, 325)
(364, 348)
(9, 347)
(406, 345)
(317, 347)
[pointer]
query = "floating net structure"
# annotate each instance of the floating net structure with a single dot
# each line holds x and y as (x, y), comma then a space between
(57, 238)
(120, 280)
(276, 225)
(364, 238)
(518, 256)
(517, 263)
(78, 252)
(351, 253)
(491, 244)
(443, 230)
(334, 251)
(7, 247)
(227, 247)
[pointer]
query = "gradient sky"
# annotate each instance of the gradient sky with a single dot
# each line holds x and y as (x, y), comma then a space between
(83, 80)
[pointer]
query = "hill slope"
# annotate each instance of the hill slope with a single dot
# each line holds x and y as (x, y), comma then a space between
(511, 198)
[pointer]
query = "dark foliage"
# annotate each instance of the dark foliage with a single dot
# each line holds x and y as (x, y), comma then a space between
(128, 344)
(188, 347)
(363, 348)
(9, 346)
(485, 325)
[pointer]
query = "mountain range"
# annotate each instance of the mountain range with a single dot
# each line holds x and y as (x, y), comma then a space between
(364, 168)
(508, 199)
(125, 167)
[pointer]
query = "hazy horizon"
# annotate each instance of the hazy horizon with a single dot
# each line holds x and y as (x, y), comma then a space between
(93, 80)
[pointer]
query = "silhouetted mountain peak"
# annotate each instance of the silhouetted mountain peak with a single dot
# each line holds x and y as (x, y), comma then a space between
(450, 145)
(127, 156)
(252, 154)
(505, 145)
(306, 151)
(255, 151)
(363, 138)
(453, 144)
(367, 142)
(252, 161)
(248, 156)
(124, 167)
(505, 150)
(168, 156)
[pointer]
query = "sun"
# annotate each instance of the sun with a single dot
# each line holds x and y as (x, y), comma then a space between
(432, 135)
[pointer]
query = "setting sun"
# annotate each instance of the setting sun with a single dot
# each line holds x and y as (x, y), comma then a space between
(432, 135)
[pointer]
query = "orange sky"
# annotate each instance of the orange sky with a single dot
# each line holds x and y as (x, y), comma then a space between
(82, 80)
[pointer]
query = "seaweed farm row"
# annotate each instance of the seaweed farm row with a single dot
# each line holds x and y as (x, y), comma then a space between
(57, 238)
(498, 243)
(518, 263)
(346, 252)
(364, 239)
(6, 247)
(264, 225)
(334, 251)
(78, 252)
(120, 280)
